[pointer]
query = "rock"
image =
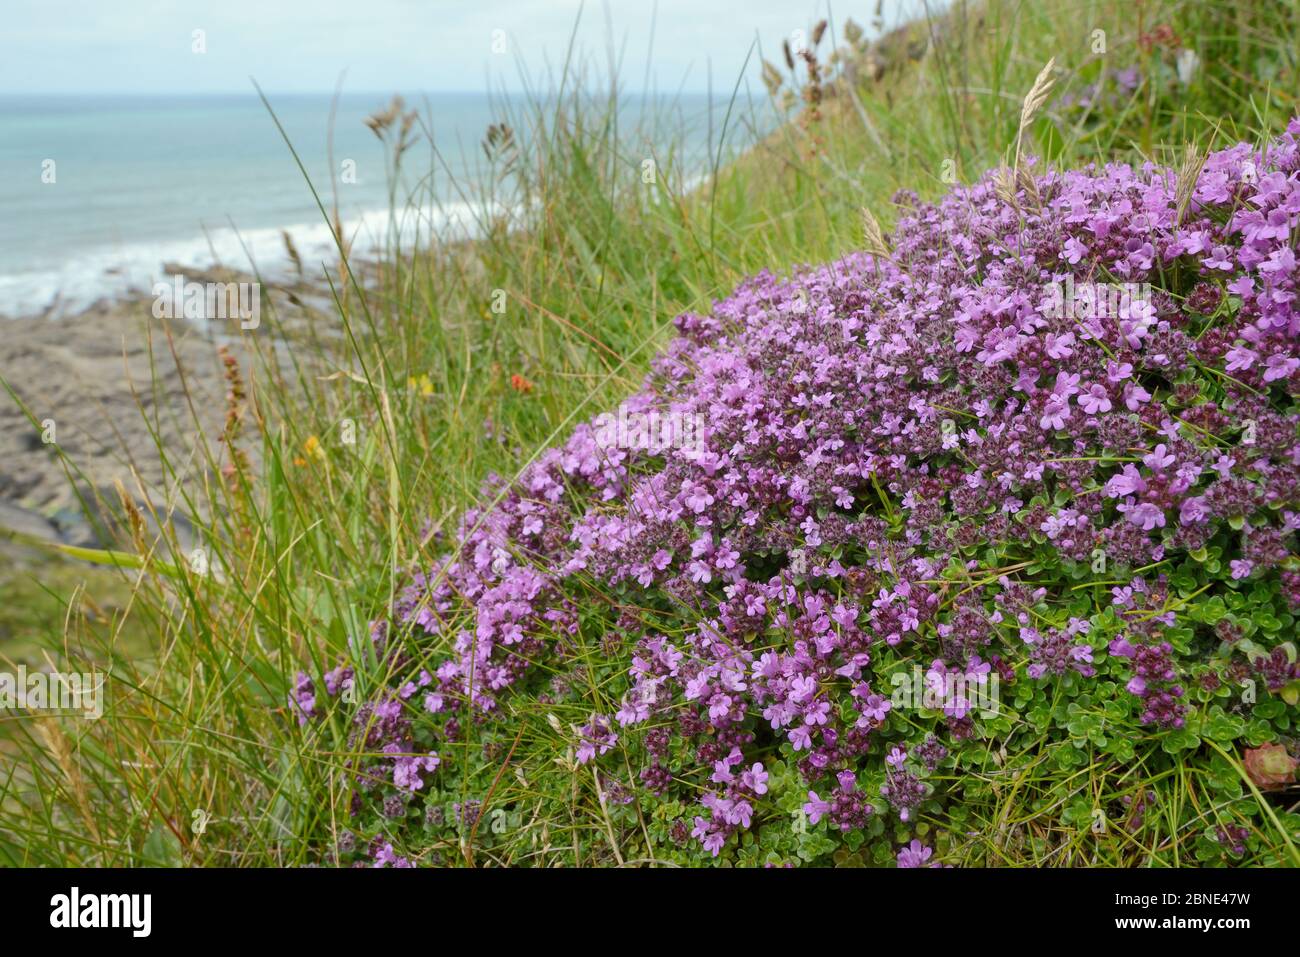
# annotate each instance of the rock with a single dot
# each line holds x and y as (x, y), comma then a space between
(15, 518)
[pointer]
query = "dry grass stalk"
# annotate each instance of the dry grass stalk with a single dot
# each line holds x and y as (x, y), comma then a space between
(292, 251)
(873, 236)
(56, 742)
(1033, 102)
(134, 517)
(1004, 185)
(1188, 174)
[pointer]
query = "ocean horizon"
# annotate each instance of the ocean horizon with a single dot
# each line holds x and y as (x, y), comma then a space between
(102, 191)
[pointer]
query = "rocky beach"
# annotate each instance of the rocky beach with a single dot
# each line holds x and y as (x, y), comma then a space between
(95, 386)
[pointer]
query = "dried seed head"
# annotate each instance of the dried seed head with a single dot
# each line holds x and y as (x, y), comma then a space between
(873, 237)
(1188, 174)
(133, 515)
(381, 120)
(1037, 94)
(1004, 185)
(1026, 183)
(1034, 101)
(292, 251)
(771, 78)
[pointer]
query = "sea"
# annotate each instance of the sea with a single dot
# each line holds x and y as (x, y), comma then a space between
(99, 193)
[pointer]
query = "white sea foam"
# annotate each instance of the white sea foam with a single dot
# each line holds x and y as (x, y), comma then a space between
(124, 269)
(131, 268)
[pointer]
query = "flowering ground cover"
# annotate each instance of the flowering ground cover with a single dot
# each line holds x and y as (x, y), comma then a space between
(975, 546)
(939, 537)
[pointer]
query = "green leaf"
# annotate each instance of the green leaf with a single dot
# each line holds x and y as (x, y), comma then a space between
(161, 848)
(1121, 747)
(1180, 740)
(1267, 622)
(1224, 727)
(1268, 708)
(1259, 732)
(1212, 611)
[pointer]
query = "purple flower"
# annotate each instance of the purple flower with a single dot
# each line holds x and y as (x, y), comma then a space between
(387, 857)
(914, 854)
(1095, 400)
(876, 707)
(868, 428)
(815, 808)
(596, 737)
(755, 779)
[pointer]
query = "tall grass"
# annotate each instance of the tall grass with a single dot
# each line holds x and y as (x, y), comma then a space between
(347, 456)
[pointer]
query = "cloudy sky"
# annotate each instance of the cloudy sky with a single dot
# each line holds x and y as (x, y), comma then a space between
(147, 46)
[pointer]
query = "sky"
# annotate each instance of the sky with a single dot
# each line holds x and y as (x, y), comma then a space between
(151, 47)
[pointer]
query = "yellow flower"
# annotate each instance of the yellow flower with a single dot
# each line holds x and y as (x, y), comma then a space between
(423, 385)
(313, 447)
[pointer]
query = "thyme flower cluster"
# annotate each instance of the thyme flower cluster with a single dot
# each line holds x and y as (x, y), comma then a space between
(905, 458)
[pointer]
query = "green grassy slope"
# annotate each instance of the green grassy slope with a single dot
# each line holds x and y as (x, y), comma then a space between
(467, 361)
